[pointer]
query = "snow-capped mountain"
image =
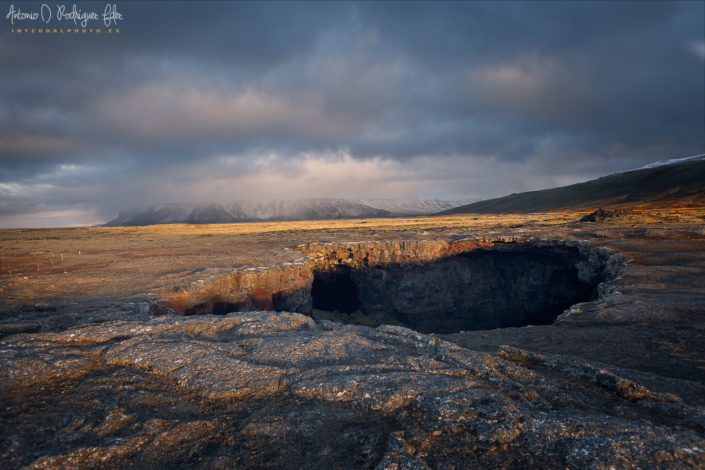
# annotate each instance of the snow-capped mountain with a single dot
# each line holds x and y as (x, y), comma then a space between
(296, 209)
(243, 211)
(413, 206)
(304, 209)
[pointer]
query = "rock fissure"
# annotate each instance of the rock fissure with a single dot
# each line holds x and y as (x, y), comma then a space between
(428, 286)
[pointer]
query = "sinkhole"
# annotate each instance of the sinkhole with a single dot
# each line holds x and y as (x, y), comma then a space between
(480, 289)
(497, 286)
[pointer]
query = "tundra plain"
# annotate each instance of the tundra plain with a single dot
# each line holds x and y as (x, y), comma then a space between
(114, 351)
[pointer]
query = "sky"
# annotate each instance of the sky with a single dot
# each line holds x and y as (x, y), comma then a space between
(221, 101)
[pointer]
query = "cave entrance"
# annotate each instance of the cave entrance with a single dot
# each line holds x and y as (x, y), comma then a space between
(335, 291)
(483, 289)
(507, 285)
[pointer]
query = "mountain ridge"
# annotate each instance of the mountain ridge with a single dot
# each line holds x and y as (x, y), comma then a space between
(278, 209)
(662, 183)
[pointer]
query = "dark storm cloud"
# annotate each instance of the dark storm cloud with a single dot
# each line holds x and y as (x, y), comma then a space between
(571, 89)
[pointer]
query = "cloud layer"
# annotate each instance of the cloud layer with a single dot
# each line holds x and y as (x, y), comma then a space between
(215, 101)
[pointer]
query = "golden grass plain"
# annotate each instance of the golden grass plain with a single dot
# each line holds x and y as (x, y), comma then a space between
(113, 262)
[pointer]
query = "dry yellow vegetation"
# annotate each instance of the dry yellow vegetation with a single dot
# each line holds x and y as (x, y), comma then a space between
(111, 262)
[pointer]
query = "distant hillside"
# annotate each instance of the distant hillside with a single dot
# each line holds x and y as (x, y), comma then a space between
(303, 209)
(244, 211)
(675, 181)
(412, 206)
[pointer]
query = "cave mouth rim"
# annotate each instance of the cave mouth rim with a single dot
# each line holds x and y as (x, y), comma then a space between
(569, 257)
(292, 291)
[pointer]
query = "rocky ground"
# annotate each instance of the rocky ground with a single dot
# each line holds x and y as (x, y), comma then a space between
(91, 379)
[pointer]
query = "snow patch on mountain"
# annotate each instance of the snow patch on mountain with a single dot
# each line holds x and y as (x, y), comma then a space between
(670, 161)
(266, 210)
(413, 206)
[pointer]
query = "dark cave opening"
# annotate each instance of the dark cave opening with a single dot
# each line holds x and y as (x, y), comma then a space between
(506, 285)
(483, 289)
(335, 291)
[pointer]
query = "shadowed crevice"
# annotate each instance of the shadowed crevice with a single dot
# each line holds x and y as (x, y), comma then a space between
(482, 289)
(335, 291)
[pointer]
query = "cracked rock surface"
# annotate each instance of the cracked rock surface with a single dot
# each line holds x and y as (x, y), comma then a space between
(277, 389)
